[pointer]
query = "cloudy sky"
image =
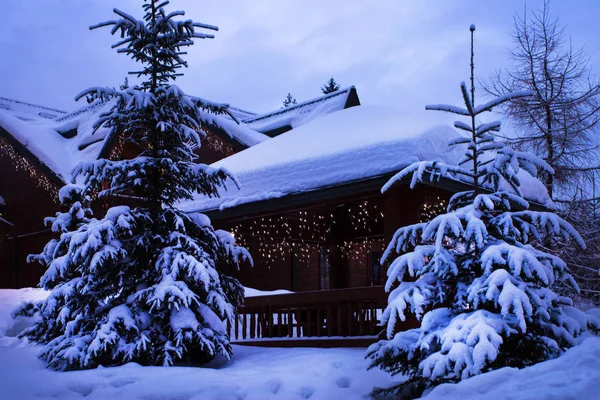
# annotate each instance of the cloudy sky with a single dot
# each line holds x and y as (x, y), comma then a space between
(401, 53)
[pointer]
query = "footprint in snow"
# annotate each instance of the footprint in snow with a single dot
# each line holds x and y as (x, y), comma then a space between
(81, 388)
(306, 392)
(274, 385)
(336, 364)
(343, 382)
(117, 383)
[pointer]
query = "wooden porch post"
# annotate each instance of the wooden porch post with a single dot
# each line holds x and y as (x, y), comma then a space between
(401, 206)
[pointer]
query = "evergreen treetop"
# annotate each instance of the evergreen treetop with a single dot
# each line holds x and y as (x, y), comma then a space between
(330, 86)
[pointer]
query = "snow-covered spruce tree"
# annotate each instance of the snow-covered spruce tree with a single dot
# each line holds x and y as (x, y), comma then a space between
(143, 284)
(482, 294)
(330, 87)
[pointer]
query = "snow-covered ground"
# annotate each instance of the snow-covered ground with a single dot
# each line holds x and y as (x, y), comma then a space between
(272, 373)
(575, 375)
(254, 373)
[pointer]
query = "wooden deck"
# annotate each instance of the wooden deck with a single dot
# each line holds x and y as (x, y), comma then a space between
(327, 318)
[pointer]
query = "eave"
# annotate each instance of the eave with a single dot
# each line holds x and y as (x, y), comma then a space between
(331, 194)
(32, 158)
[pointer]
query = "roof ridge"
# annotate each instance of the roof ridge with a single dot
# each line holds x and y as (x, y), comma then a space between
(81, 110)
(33, 105)
(296, 106)
(242, 110)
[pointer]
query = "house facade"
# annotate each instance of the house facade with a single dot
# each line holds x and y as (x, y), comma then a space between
(40, 146)
(309, 206)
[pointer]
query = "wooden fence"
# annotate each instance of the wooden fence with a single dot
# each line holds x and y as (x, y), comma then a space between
(311, 316)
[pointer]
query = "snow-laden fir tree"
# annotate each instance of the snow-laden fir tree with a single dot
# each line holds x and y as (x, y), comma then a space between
(143, 284)
(330, 87)
(483, 294)
(289, 101)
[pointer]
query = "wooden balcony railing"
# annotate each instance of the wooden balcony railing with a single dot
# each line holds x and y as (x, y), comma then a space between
(338, 313)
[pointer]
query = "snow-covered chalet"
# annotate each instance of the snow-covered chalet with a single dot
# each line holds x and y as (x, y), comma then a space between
(309, 208)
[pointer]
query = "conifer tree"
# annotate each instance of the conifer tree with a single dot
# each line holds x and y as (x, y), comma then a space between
(289, 101)
(482, 293)
(143, 284)
(330, 87)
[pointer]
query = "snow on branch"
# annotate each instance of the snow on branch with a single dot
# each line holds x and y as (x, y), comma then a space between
(501, 99)
(491, 126)
(205, 26)
(467, 99)
(463, 126)
(448, 108)
(435, 169)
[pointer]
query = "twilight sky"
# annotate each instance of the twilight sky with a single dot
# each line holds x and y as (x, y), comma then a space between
(403, 53)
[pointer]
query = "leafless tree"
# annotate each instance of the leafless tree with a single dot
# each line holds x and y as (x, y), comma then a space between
(558, 123)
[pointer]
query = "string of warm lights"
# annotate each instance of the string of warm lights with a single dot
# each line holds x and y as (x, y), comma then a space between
(361, 216)
(303, 232)
(432, 209)
(358, 250)
(215, 143)
(20, 163)
(117, 150)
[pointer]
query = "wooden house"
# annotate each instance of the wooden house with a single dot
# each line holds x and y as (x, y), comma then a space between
(311, 212)
(39, 147)
(310, 208)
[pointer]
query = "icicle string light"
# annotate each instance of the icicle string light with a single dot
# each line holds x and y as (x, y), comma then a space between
(302, 234)
(20, 163)
(216, 144)
(117, 151)
(432, 209)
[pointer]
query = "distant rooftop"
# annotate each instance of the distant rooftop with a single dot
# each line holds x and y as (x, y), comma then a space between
(279, 121)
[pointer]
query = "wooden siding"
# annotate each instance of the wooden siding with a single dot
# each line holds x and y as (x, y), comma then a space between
(27, 205)
(350, 251)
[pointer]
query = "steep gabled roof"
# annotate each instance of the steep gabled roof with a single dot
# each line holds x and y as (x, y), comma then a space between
(279, 121)
(61, 141)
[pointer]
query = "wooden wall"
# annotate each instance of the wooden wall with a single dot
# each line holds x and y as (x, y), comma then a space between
(284, 271)
(350, 251)
(27, 205)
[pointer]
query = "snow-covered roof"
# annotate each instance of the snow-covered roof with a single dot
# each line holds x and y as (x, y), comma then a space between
(60, 143)
(278, 121)
(27, 111)
(241, 114)
(62, 140)
(350, 145)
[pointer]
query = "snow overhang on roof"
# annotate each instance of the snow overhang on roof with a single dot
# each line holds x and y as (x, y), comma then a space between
(279, 121)
(59, 143)
(352, 145)
(60, 140)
